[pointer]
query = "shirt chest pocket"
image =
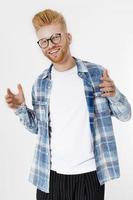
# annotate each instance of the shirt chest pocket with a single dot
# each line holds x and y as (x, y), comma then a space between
(41, 110)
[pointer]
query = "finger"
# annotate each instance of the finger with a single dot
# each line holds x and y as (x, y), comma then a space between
(7, 96)
(106, 84)
(9, 93)
(105, 73)
(106, 79)
(108, 94)
(20, 89)
(107, 89)
(9, 100)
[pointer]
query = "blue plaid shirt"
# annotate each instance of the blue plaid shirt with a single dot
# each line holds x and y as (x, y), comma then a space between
(100, 110)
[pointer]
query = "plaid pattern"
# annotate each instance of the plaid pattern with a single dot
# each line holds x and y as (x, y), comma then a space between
(100, 110)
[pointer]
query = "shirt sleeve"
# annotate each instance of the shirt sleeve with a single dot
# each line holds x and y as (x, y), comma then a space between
(27, 116)
(120, 106)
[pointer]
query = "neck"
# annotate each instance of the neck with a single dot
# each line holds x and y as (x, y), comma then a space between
(66, 64)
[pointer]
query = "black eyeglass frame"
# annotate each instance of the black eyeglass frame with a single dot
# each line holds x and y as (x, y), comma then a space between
(49, 39)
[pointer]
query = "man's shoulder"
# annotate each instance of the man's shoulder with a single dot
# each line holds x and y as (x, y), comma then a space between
(93, 73)
(40, 77)
(91, 66)
(94, 70)
(43, 73)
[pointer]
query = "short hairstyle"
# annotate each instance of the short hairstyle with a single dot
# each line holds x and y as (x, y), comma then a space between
(48, 17)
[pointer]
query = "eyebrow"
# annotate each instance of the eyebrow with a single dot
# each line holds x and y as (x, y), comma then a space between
(51, 35)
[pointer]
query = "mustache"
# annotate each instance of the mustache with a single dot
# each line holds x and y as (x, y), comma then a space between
(54, 47)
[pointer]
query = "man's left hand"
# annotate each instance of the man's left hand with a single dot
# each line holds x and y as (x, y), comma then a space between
(107, 85)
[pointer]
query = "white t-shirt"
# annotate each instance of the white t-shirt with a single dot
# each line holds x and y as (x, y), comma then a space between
(71, 141)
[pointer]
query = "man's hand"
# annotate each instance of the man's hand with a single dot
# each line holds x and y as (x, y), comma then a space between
(15, 100)
(107, 86)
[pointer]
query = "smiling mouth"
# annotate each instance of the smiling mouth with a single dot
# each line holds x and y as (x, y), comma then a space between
(54, 52)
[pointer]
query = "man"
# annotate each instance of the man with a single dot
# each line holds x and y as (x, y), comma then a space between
(73, 101)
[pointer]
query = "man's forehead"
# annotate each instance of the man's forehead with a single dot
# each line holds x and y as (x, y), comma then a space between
(47, 31)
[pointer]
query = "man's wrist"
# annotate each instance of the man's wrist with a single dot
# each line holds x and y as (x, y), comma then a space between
(16, 110)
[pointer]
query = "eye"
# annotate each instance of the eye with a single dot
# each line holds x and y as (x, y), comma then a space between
(43, 42)
(56, 38)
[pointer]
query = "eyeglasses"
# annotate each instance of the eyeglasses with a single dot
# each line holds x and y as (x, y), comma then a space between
(55, 39)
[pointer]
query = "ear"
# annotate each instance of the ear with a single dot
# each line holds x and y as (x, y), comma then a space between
(69, 36)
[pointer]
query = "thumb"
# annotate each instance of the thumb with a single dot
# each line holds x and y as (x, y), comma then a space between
(20, 89)
(105, 73)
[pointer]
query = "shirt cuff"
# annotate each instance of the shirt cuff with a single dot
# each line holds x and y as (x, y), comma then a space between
(115, 98)
(20, 109)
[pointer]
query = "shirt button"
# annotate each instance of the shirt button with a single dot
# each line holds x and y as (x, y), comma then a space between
(80, 74)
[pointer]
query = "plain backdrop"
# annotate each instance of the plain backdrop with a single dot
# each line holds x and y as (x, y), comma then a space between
(102, 33)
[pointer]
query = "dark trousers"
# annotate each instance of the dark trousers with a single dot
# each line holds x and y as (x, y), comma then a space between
(73, 187)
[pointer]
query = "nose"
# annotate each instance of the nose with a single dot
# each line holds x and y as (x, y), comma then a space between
(50, 44)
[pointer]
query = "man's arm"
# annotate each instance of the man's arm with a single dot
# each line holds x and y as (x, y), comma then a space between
(28, 118)
(119, 105)
(17, 103)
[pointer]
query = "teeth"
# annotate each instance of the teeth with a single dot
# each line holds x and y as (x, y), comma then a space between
(54, 51)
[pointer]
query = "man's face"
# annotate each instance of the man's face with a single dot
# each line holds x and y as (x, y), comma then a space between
(59, 51)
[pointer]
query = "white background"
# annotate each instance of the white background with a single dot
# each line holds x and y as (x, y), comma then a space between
(102, 33)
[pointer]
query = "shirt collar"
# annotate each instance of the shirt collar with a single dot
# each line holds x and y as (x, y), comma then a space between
(81, 68)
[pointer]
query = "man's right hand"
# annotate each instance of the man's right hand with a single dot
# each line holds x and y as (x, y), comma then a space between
(15, 100)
